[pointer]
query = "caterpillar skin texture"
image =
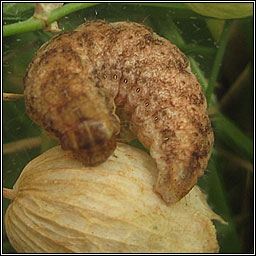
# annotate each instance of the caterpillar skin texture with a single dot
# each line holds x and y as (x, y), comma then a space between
(78, 80)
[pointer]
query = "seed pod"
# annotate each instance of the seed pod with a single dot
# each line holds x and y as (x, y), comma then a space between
(60, 206)
(77, 79)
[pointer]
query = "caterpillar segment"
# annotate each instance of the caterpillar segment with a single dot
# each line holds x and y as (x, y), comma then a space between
(79, 83)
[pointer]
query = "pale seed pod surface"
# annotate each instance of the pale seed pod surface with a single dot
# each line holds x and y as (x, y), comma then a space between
(60, 206)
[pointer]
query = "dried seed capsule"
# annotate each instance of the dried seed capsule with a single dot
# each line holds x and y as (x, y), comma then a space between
(60, 206)
(77, 79)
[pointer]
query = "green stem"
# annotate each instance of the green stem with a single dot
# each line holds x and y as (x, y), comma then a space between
(233, 137)
(197, 49)
(237, 87)
(33, 24)
(198, 73)
(67, 9)
(217, 62)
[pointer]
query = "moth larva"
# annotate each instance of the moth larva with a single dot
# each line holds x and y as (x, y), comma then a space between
(77, 79)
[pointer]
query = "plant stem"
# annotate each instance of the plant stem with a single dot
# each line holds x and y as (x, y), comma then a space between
(217, 62)
(12, 96)
(197, 49)
(198, 73)
(233, 137)
(21, 145)
(9, 193)
(236, 159)
(67, 9)
(33, 24)
(236, 87)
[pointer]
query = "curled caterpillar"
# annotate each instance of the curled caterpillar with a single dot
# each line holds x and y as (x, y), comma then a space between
(79, 80)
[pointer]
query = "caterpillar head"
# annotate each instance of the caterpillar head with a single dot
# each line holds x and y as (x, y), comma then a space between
(92, 141)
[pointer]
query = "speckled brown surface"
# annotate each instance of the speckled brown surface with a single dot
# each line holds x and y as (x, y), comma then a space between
(77, 79)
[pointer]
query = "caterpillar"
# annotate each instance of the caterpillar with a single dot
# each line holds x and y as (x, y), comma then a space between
(80, 85)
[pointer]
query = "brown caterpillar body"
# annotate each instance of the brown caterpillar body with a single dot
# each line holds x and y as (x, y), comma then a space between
(77, 79)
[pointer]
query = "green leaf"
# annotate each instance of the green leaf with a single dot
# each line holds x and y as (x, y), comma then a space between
(233, 137)
(223, 10)
(164, 5)
(218, 61)
(16, 9)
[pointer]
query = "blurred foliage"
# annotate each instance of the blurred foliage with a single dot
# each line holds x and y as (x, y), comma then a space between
(17, 11)
(223, 10)
(228, 181)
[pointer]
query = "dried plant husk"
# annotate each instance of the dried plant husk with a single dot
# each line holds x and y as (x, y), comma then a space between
(60, 206)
